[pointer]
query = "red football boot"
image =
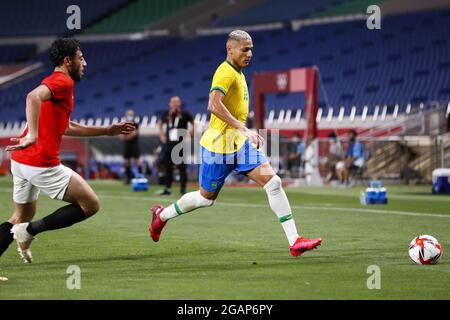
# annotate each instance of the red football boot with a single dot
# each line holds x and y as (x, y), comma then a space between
(304, 244)
(157, 224)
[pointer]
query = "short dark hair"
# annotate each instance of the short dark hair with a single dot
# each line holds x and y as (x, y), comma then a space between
(63, 47)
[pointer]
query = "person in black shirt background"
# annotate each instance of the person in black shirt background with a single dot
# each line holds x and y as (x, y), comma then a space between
(169, 124)
(131, 148)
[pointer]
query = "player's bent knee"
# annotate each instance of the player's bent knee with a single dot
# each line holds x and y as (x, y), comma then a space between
(91, 207)
(90, 210)
(204, 199)
(206, 202)
(95, 206)
(274, 184)
(207, 195)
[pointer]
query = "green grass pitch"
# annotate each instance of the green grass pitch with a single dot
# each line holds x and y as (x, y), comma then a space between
(235, 249)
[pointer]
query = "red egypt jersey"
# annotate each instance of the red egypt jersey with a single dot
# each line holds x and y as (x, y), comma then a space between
(53, 121)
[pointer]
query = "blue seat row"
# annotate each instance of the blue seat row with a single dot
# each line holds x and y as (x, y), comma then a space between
(48, 17)
(407, 61)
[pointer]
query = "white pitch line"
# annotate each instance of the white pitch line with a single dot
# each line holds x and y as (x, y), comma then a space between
(326, 207)
(422, 197)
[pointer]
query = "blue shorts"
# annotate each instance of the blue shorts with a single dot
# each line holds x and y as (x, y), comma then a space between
(215, 167)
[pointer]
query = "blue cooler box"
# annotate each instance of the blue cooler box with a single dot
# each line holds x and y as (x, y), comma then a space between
(441, 181)
(140, 183)
(375, 194)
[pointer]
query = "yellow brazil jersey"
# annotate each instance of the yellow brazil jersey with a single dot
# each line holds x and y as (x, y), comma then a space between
(220, 136)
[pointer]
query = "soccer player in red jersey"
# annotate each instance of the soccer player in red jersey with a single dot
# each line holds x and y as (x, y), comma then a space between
(35, 162)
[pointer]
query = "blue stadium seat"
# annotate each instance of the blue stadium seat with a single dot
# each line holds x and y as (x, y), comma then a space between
(357, 67)
(37, 17)
(275, 10)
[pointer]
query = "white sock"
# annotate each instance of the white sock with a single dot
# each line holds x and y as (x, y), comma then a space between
(280, 205)
(188, 202)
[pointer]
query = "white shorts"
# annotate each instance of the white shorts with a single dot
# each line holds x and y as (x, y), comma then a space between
(29, 181)
(359, 162)
(340, 165)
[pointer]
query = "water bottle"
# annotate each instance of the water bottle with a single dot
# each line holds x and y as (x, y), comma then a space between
(362, 198)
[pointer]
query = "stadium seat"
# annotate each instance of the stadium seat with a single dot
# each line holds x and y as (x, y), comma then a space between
(138, 15)
(357, 68)
(38, 17)
(275, 10)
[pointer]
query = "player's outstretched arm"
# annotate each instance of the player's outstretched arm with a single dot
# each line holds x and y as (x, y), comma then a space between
(33, 107)
(77, 130)
(128, 136)
(218, 108)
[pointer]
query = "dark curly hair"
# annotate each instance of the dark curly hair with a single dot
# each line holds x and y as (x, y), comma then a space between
(63, 47)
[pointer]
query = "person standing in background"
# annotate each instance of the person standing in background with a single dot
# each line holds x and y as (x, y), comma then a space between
(131, 148)
(172, 124)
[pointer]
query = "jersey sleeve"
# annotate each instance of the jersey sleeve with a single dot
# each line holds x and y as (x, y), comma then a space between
(223, 79)
(59, 87)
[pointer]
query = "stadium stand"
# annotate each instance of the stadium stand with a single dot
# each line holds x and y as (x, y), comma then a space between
(375, 75)
(346, 7)
(274, 11)
(138, 15)
(17, 53)
(406, 62)
(52, 16)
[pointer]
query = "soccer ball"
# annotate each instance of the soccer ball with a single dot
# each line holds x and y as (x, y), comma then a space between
(425, 249)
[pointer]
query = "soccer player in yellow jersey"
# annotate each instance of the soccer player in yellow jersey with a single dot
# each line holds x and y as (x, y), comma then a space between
(229, 145)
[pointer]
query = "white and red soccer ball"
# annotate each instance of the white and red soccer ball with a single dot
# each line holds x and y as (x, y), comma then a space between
(425, 249)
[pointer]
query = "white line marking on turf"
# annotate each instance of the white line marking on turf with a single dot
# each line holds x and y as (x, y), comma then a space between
(325, 192)
(326, 206)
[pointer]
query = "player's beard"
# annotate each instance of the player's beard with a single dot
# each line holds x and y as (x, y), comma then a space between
(75, 73)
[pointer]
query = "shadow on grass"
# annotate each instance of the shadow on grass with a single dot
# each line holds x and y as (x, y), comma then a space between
(259, 260)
